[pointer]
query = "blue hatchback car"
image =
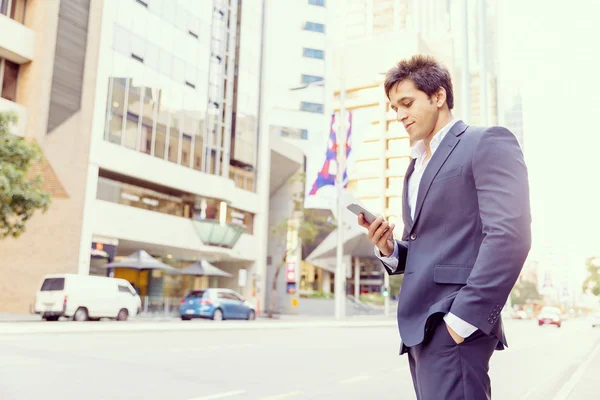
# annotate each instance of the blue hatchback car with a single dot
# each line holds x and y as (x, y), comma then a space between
(216, 304)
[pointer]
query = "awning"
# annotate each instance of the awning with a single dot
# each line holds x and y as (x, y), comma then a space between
(202, 268)
(355, 239)
(139, 260)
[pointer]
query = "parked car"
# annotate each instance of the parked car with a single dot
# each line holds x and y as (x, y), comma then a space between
(86, 297)
(216, 304)
(551, 316)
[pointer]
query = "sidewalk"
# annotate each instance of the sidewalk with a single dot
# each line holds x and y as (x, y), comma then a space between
(8, 317)
(28, 326)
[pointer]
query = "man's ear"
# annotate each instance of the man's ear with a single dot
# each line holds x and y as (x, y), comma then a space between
(440, 97)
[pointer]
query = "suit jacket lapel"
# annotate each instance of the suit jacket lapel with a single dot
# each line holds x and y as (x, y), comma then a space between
(406, 218)
(437, 160)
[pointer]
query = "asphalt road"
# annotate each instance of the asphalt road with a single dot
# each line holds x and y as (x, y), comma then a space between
(298, 363)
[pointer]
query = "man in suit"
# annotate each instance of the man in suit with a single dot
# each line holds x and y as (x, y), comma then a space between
(467, 233)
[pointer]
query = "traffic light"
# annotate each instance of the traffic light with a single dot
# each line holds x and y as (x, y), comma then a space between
(385, 291)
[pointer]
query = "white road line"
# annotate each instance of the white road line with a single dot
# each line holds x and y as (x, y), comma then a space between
(566, 390)
(356, 379)
(220, 395)
(281, 396)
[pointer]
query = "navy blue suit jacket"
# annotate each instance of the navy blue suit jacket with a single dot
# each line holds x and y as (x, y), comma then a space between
(470, 236)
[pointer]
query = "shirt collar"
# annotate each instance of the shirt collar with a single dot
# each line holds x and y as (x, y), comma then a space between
(418, 149)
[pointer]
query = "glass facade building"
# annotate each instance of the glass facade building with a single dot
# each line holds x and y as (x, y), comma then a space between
(183, 83)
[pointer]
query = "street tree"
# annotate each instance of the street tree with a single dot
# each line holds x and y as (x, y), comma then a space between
(592, 282)
(524, 291)
(21, 194)
(298, 228)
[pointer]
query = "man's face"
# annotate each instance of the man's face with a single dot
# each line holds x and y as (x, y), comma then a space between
(417, 112)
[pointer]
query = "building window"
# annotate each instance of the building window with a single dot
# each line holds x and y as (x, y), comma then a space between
(293, 133)
(314, 27)
(9, 72)
(15, 9)
(314, 53)
(240, 217)
(312, 107)
(320, 3)
(242, 178)
(139, 197)
(137, 58)
(307, 79)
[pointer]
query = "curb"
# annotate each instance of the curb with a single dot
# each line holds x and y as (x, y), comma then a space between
(103, 327)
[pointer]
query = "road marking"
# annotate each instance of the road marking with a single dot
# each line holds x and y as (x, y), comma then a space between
(356, 379)
(566, 390)
(281, 396)
(220, 395)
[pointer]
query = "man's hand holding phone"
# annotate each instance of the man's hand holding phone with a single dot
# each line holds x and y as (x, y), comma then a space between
(380, 233)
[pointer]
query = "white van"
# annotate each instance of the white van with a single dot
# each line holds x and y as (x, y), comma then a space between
(86, 297)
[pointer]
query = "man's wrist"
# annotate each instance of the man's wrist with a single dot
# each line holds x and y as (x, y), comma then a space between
(386, 255)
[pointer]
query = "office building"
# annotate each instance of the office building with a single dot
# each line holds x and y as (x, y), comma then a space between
(147, 113)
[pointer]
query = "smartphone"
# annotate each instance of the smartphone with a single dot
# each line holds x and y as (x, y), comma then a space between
(357, 209)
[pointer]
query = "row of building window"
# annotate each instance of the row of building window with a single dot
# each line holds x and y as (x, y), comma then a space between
(178, 16)
(14, 9)
(158, 59)
(185, 205)
(138, 119)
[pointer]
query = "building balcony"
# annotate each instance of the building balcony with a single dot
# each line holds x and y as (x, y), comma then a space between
(17, 129)
(16, 41)
(180, 237)
(121, 160)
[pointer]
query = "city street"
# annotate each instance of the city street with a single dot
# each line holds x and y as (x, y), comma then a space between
(299, 362)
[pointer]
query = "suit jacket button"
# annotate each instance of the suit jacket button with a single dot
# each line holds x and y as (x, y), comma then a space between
(413, 236)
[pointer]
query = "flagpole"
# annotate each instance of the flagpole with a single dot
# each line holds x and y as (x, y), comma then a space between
(340, 273)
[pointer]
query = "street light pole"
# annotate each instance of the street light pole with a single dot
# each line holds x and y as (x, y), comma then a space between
(340, 273)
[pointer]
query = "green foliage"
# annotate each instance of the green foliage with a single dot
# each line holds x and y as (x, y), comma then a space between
(395, 284)
(592, 282)
(524, 292)
(372, 298)
(20, 194)
(309, 225)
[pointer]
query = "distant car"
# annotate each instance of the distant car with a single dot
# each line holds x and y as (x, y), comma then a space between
(595, 318)
(550, 316)
(521, 315)
(85, 297)
(216, 304)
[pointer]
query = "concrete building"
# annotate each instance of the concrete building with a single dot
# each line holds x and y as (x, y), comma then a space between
(293, 100)
(294, 69)
(147, 112)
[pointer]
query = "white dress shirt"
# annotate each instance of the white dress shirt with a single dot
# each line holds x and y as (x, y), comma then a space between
(461, 327)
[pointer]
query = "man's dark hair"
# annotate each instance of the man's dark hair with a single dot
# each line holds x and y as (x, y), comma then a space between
(425, 72)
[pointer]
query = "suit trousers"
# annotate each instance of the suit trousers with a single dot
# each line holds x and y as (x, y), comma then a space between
(444, 370)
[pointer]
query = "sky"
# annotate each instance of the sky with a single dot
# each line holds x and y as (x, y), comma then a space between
(550, 48)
